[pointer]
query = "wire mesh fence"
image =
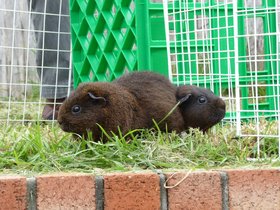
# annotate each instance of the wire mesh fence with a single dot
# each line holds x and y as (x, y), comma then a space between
(34, 52)
(231, 47)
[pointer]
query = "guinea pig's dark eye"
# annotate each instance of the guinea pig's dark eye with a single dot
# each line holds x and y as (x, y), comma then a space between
(76, 109)
(202, 100)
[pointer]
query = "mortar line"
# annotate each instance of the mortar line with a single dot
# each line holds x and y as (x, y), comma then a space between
(31, 193)
(225, 191)
(99, 192)
(163, 192)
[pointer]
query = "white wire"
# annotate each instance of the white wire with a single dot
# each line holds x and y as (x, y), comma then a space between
(42, 60)
(237, 89)
(256, 82)
(27, 62)
(166, 25)
(229, 80)
(57, 58)
(182, 35)
(12, 61)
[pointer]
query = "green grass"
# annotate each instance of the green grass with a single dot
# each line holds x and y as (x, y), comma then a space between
(42, 148)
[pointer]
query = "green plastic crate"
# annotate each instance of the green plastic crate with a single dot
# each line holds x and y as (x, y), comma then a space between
(112, 37)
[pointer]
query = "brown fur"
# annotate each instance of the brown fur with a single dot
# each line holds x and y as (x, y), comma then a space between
(132, 102)
(121, 110)
(200, 115)
(156, 96)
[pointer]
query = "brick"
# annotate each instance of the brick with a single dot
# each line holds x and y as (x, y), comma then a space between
(66, 191)
(199, 190)
(132, 191)
(13, 193)
(254, 189)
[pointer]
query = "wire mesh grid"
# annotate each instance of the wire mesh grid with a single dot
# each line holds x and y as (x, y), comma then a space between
(31, 49)
(231, 47)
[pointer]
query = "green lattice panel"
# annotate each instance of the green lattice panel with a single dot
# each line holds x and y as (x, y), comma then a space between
(103, 39)
(112, 37)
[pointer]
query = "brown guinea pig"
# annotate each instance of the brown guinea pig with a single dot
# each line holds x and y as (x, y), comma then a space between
(156, 96)
(200, 108)
(130, 102)
(106, 104)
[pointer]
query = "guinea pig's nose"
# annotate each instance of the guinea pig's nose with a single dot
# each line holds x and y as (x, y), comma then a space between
(59, 120)
(221, 104)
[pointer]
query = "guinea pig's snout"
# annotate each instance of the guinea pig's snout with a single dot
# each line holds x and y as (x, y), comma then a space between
(221, 104)
(64, 126)
(59, 120)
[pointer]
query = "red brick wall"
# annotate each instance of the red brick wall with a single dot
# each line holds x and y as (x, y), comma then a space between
(230, 189)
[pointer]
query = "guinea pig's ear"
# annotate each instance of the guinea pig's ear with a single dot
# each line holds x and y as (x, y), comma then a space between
(100, 100)
(184, 99)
